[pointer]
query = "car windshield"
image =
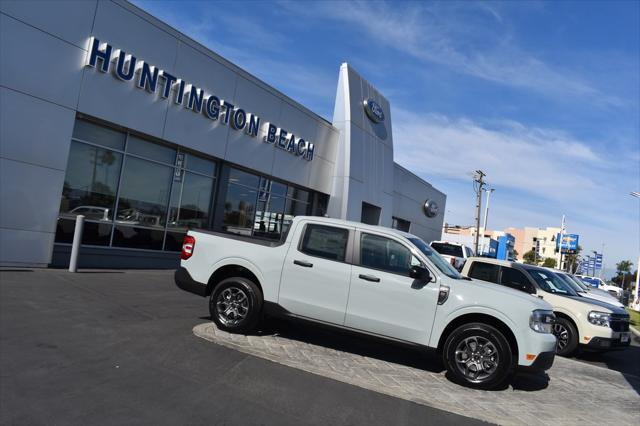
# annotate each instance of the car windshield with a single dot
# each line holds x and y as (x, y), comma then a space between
(550, 282)
(448, 249)
(579, 282)
(574, 286)
(436, 259)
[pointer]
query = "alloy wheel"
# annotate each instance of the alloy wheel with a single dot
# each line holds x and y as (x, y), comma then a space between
(562, 335)
(232, 306)
(477, 358)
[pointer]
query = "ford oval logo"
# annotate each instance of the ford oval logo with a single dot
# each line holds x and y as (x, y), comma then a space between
(430, 208)
(374, 111)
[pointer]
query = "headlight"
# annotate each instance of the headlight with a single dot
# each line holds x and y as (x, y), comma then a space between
(599, 318)
(542, 321)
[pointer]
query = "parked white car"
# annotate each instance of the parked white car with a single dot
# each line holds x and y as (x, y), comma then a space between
(371, 280)
(580, 321)
(587, 291)
(600, 284)
(455, 253)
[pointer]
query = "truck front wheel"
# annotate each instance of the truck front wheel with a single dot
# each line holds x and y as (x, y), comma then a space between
(478, 355)
(235, 305)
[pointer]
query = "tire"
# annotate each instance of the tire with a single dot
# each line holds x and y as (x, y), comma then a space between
(566, 337)
(477, 355)
(236, 305)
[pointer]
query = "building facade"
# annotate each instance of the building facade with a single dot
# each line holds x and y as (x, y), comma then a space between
(108, 112)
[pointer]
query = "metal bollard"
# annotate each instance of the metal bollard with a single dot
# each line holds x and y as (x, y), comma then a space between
(75, 247)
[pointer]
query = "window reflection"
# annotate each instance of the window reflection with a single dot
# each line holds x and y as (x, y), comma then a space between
(91, 182)
(144, 193)
(190, 201)
(269, 216)
(239, 209)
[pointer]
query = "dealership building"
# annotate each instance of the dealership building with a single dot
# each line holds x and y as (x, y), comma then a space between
(107, 112)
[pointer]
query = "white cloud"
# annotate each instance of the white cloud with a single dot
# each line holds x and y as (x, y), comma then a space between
(544, 162)
(440, 33)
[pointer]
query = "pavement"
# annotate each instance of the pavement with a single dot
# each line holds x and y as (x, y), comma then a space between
(572, 393)
(116, 347)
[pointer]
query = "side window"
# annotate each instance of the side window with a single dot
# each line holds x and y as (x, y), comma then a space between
(385, 254)
(325, 241)
(484, 271)
(515, 279)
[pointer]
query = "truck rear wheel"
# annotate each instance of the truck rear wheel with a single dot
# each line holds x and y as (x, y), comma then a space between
(478, 355)
(235, 305)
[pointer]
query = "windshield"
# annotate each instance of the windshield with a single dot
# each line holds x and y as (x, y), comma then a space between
(550, 282)
(569, 281)
(579, 282)
(436, 259)
(448, 249)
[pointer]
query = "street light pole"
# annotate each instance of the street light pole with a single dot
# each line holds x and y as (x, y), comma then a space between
(486, 207)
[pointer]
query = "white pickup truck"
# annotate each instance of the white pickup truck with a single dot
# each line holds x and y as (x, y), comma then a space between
(371, 280)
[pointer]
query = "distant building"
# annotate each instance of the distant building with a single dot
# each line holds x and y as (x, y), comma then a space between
(541, 240)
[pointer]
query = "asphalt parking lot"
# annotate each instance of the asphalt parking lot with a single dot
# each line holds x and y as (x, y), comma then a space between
(116, 347)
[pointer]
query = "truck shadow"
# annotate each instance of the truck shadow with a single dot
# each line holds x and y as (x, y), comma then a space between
(380, 349)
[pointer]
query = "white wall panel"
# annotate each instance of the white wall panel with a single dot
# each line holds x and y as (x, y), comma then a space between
(31, 196)
(34, 131)
(70, 20)
(39, 64)
(25, 248)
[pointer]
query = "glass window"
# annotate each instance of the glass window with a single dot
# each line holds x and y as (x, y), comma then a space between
(97, 134)
(190, 201)
(243, 178)
(298, 194)
(513, 278)
(320, 204)
(433, 256)
(447, 249)
(144, 193)
(385, 254)
(150, 150)
(484, 271)
(400, 224)
(136, 237)
(325, 241)
(200, 165)
(94, 233)
(269, 217)
(550, 282)
(239, 209)
(91, 182)
(293, 208)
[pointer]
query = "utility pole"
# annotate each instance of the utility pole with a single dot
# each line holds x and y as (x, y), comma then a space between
(478, 185)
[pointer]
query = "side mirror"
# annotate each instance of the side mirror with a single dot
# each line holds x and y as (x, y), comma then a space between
(420, 273)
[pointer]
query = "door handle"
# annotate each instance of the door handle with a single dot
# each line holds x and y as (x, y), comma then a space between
(303, 263)
(369, 278)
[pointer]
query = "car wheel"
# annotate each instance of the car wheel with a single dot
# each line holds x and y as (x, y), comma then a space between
(235, 305)
(478, 355)
(566, 336)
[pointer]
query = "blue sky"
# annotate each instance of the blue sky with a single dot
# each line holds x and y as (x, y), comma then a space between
(542, 96)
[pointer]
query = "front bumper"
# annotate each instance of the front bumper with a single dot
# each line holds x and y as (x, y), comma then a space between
(619, 341)
(185, 282)
(543, 362)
